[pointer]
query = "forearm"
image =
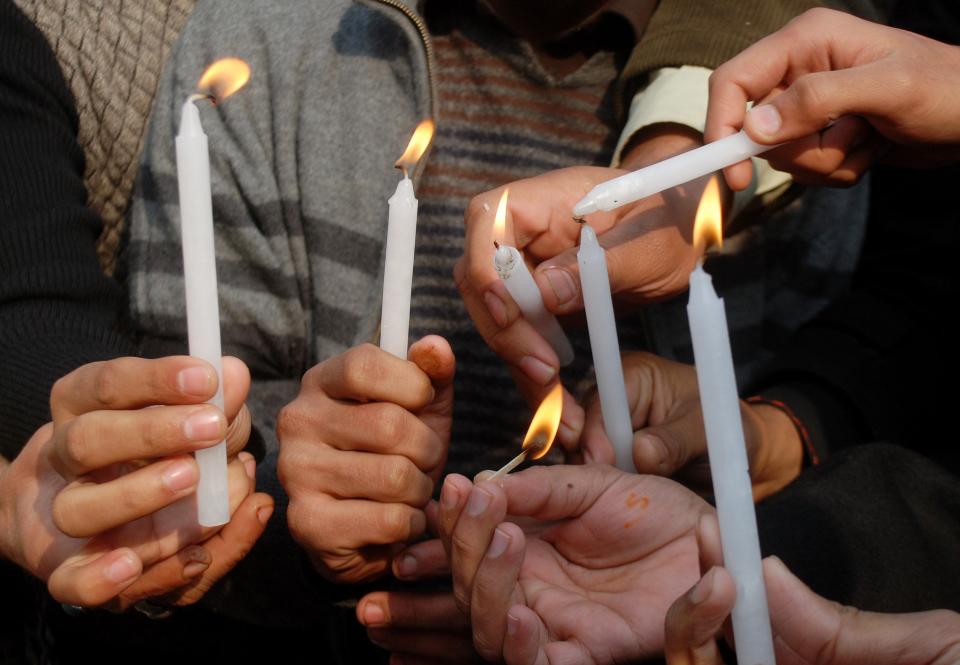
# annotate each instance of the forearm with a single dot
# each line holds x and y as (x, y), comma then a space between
(57, 310)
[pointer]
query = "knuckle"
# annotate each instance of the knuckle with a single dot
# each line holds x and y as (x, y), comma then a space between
(300, 522)
(291, 421)
(75, 449)
(360, 366)
(462, 598)
(107, 384)
(483, 645)
(392, 423)
(394, 522)
(63, 514)
(400, 476)
(808, 96)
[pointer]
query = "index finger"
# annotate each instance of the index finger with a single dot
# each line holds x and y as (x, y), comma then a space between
(132, 383)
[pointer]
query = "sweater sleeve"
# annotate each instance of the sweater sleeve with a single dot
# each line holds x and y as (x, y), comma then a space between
(57, 310)
(707, 34)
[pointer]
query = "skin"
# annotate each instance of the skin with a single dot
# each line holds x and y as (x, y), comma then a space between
(807, 628)
(669, 438)
(536, 596)
(650, 254)
(89, 506)
(891, 95)
(360, 450)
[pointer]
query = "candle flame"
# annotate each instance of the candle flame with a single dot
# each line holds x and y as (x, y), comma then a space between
(224, 77)
(500, 221)
(419, 143)
(708, 227)
(545, 423)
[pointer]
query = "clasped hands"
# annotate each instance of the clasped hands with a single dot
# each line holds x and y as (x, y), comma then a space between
(99, 503)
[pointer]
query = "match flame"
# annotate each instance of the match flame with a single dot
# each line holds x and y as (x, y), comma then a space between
(500, 222)
(708, 227)
(224, 77)
(419, 143)
(545, 423)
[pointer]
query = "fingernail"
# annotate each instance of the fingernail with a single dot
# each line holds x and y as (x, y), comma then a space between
(407, 566)
(766, 119)
(249, 464)
(194, 568)
(122, 570)
(373, 615)
(496, 307)
(264, 513)
(562, 284)
(202, 426)
(513, 624)
(537, 370)
(498, 544)
(478, 501)
(655, 451)
(180, 476)
(197, 381)
(701, 590)
(449, 495)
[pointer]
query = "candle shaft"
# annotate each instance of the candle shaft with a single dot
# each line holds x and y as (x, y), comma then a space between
(728, 468)
(669, 173)
(598, 305)
(513, 270)
(203, 312)
(398, 270)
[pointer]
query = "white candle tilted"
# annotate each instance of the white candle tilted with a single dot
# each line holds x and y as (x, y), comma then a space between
(398, 270)
(598, 305)
(509, 264)
(669, 173)
(728, 468)
(203, 312)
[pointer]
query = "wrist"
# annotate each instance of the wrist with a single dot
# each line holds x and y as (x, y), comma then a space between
(779, 449)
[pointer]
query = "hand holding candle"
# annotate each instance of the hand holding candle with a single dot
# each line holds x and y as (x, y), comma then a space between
(512, 269)
(399, 251)
(726, 448)
(221, 80)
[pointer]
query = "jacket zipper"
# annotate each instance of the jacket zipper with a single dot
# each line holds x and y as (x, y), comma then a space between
(431, 66)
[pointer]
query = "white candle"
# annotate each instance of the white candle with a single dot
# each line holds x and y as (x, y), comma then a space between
(399, 250)
(398, 270)
(728, 468)
(203, 313)
(509, 264)
(598, 305)
(669, 173)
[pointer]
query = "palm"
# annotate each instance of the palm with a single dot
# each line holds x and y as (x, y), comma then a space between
(619, 564)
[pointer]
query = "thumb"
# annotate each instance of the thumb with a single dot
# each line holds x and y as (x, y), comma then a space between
(667, 447)
(433, 355)
(695, 618)
(815, 100)
(236, 387)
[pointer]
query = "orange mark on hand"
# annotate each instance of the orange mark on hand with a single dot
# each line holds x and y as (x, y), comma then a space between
(633, 500)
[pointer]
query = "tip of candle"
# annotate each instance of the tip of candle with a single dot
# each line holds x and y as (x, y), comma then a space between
(198, 96)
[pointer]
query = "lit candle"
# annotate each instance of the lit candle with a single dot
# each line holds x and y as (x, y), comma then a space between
(221, 79)
(399, 251)
(598, 305)
(727, 451)
(512, 269)
(669, 173)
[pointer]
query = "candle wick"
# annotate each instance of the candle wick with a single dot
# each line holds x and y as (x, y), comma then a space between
(579, 220)
(496, 244)
(198, 96)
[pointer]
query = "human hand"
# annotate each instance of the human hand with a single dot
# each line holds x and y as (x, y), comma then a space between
(807, 628)
(360, 450)
(891, 94)
(650, 254)
(99, 502)
(669, 438)
(590, 584)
